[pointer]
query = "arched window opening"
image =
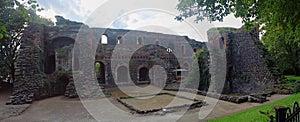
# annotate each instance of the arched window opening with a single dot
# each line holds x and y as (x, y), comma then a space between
(144, 74)
(119, 40)
(100, 72)
(222, 42)
(104, 39)
(195, 50)
(183, 49)
(122, 74)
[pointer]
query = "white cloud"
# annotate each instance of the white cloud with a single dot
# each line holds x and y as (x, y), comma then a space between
(165, 23)
(48, 13)
(157, 21)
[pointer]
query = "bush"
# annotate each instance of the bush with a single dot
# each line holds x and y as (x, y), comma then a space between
(296, 87)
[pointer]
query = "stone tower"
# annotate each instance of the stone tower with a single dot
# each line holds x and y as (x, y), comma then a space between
(247, 71)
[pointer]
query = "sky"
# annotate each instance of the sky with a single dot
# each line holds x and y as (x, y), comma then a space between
(153, 16)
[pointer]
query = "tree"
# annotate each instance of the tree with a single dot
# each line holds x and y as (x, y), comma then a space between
(278, 21)
(15, 17)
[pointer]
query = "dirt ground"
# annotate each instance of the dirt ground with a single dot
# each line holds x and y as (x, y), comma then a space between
(7, 111)
(61, 109)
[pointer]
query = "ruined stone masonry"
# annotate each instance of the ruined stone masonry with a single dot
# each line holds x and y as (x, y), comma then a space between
(247, 71)
(47, 54)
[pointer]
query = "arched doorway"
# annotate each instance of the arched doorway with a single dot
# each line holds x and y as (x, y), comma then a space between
(51, 64)
(100, 72)
(122, 74)
(52, 55)
(144, 74)
(178, 71)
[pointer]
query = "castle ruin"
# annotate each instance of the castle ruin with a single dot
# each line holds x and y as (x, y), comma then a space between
(46, 50)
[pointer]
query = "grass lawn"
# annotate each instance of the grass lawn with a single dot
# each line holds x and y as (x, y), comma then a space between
(293, 77)
(254, 115)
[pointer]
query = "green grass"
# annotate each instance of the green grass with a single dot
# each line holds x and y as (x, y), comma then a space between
(293, 77)
(254, 115)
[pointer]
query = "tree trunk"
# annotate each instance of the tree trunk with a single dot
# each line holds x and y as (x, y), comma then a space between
(12, 72)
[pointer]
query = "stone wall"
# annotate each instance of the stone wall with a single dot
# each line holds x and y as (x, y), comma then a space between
(247, 71)
(31, 81)
(29, 75)
(39, 58)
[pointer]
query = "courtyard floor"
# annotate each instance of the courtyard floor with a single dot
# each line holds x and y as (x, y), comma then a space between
(59, 109)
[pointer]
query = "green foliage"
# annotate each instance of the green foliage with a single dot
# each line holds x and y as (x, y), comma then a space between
(61, 70)
(268, 114)
(42, 74)
(61, 54)
(294, 81)
(15, 17)
(202, 75)
(293, 77)
(255, 115)
(97, 69)
(278, 21)
(296, 87)
(283, 43)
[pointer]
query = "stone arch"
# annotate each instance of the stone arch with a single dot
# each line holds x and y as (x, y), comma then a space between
(55, 44)
(144, 74)
(61, 41)
(63, 35)
(122, 74)
(100, 70)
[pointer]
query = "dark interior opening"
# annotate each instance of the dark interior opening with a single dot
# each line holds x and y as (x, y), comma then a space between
(144, 74)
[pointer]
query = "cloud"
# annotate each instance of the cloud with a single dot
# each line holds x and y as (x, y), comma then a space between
(163, 22)
(147, 20)
(156, 21)
(77, 10)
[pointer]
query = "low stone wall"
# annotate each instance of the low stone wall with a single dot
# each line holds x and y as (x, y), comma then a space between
(259, 98)
(71, 89)
(197, 103)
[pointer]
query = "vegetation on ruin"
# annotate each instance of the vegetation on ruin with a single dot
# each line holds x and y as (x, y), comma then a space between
(261, 113)
(61, 54)
(294, 82)
(202, 76)
(222, 30)
(293, 77)
(97, 69)
(15, 17)
(288, 85)
(277, 20)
